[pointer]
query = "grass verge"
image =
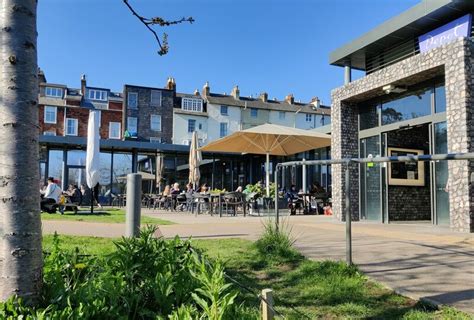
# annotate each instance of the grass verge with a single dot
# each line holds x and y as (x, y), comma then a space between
(106, 215)
(315, 289)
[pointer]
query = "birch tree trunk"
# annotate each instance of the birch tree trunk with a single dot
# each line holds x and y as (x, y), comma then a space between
(20, 224)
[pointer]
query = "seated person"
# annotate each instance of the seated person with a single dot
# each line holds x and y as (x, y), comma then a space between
(292, 199)
(50, 196)
(203, 189)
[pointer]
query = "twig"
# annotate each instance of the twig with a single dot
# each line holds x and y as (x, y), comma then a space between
(148, 22)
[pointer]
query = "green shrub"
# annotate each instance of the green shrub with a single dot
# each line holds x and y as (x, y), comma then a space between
(144, 278)
(277, 242)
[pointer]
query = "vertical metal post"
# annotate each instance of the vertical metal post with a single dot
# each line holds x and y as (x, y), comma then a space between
(348, 216)
(303, 173)
(111, 180)
(267, 173)
(277, 212)
(347, 74)
(213, 172)
(65, 179)
(134, 201)
(134, 161)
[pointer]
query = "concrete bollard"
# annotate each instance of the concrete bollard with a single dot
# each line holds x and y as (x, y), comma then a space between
(134, 204)
(267, 304)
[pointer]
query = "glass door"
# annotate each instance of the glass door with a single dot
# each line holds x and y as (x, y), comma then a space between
(76, 175)
(370, 180)
(440, 192)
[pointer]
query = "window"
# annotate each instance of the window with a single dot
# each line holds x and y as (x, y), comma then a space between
(410, 105)
(132, 100)
(281, 115)
(132, 125)
(53, 92)
(155, 122)
(191, 125)
(440, 98)
(49, 133)
(223, 131)
(253, 112)
(114, 130)
(224, 110)
(50, 114)
(71, 127)
(309, 117)
(200, 126)
(155, 99)
(189, 104)
(94, 94)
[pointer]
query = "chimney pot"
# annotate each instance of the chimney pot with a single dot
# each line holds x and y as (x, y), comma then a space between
(171, 84)
(290, 99)
(83, 84)
(236, 93)
(206, 90)
(316, 102)
(196, 92)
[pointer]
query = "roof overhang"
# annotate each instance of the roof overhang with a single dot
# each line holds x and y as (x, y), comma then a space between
(421, 18)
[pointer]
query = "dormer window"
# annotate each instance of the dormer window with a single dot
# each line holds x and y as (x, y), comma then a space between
(53, 92)
(190, 104)
(94, 94)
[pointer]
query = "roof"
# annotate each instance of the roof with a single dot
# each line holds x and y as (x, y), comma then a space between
(247, 102)
(419, 19)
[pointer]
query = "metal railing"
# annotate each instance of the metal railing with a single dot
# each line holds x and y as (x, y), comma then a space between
(347, 162)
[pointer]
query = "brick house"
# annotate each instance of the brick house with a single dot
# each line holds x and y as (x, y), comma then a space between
(64, 111)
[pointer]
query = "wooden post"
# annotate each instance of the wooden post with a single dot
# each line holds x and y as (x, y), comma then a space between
(267, 304)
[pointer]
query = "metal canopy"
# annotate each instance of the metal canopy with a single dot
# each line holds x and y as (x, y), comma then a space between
(421, 18)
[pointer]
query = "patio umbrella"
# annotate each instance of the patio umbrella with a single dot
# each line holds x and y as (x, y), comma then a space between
(194, 161)
(160, 165)
(270, 139)
(92, 156)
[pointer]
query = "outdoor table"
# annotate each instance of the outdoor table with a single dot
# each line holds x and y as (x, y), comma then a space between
(216, 197)
(201, 198)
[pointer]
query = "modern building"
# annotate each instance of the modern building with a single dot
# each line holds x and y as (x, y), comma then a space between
(416, 97)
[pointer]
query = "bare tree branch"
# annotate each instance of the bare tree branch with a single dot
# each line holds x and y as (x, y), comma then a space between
(148, 22)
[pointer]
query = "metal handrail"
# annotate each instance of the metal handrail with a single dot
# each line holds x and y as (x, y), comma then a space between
(347, 162)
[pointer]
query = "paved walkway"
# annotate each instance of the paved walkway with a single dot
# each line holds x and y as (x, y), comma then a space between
(419, 261)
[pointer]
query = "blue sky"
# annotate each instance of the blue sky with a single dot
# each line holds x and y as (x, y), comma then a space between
(275, 46)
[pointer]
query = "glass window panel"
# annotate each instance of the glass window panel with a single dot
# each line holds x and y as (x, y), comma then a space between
(368, 116)
(156, 97)
(155, 122)
(254, 112)
(132, 125)
(122, 167)
(440, 98)
(410, 106)
(55, 165)
(191, 125)
(224, 110)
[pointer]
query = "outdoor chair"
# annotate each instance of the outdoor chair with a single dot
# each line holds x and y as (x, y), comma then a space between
(233, 201)
(199, 201)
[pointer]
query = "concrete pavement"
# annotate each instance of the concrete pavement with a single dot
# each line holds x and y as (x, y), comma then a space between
(420, 261)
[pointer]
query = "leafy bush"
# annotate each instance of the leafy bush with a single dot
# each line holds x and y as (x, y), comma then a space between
(277, 242)
(144, 278)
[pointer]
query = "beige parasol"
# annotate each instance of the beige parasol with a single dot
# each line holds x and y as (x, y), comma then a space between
(270, 139)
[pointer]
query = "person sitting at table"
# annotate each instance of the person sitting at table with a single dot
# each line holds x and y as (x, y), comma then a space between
(175, 189)
(239, 189)
(316, 188)
(190, 188)
(50, 196)
(203, 189)
(292, 198)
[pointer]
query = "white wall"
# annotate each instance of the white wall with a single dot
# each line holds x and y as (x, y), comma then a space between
(180, 128)
(233, 119)
(288, 121)
(301, 122)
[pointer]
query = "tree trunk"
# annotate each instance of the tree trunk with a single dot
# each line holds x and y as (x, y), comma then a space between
(20, 225)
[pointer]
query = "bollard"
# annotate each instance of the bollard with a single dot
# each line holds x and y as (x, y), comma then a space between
(267, 304)
(134, 203)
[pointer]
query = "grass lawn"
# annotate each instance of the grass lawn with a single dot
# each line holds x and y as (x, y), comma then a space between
(328, 290)
(109, 215)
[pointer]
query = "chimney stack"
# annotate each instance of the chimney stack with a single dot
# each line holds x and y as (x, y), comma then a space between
(264, 96)
(290, 99)
(171, 84)
(206, 91)
(83, 85)
(41, 76)
(196, 92)
(236, 93)
(316, 102)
